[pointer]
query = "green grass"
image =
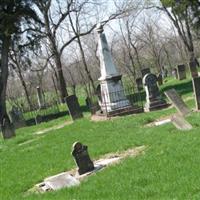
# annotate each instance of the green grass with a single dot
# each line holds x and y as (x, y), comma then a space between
(169, 168)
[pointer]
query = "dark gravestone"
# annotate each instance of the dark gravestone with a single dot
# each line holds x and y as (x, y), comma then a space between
(139, 84)
(82, 158)
(74, 107)
(181, 69)
(193, 69)
(196, 88)
(153, 97)
(178, 103)
(7, 128)
(145, 71)
(175, 73)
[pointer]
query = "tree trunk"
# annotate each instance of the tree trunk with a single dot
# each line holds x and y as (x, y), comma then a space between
(6, 126)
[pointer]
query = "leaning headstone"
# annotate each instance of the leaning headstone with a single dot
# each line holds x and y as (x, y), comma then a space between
(74, 107)
(139, 84)
(193, 69)
(82, 158)
(178, 103)
(196, 88)
(180, 123)
(145, 71)
(181, 69)
(153, 97)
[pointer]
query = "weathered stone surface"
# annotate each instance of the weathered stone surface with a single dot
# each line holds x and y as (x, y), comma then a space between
(196, 88)
(112, 93)
(74, 107)
(180, 123)
(82, 158)
(61, 181)
(193, 69)
(181, 69)
(178, 103)
(153, 97)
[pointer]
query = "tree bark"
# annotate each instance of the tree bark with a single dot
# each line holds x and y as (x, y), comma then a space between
(6, 126)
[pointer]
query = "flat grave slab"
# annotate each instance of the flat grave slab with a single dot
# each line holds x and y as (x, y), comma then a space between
(180, 123)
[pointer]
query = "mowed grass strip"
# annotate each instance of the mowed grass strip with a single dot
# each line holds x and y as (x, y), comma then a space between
(168, 169)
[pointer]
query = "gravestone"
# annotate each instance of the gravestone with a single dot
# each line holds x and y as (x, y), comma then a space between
(180, 123)
(193, 69)
(82, 158)
(113, 97)
(17, 117)
(145, 71)
(74, 107)
(139, 84)
(181, 69)
(175, 73)
(178, 103)
(196, 88)
(153, 97)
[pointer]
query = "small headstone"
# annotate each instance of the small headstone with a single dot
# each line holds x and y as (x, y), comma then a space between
(196, 88)
(175, 73)
(153, 97)
(74, 107)
(178, 103)
(193, 69)
(145, 71)
(82, 158)
(181, 69)
(8, 129)
(139, 84)
(180, 123)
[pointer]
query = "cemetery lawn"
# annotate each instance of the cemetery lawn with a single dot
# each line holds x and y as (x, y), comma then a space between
(168, 169)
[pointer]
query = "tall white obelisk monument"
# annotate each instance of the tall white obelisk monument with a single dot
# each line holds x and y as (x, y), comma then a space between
(112, 92)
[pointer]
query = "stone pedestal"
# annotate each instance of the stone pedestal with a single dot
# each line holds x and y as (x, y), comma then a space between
(112, 92)
(153, 97)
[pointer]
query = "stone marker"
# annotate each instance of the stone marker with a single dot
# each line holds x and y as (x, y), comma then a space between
(153, 97)
(61, 181)
(145, 71)
(181, 69)
(193, 69)
(82, 158)
(112, 92)
(178, 103)
(139, 84)
(74, 107)
(180, 123)
(8, 129)
(196, 88)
